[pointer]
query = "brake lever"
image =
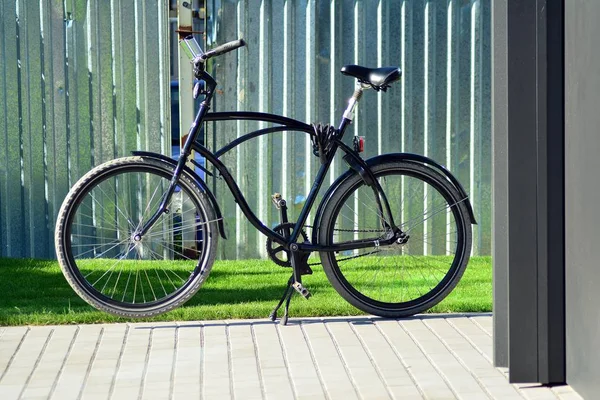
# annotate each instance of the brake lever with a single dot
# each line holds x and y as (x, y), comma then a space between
(197, 90)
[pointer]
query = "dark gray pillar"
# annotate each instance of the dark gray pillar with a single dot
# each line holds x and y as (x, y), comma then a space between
(529, 188)
(500, 181)
(522, 190)
(582, 195)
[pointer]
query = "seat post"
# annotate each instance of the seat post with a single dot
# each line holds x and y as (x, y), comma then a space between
(358, 91)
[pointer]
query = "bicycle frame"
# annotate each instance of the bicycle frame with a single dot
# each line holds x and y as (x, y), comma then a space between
(285, 124)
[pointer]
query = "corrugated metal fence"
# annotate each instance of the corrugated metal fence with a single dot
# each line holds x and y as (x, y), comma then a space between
(81, 82)
(441, 107)
(84, 81)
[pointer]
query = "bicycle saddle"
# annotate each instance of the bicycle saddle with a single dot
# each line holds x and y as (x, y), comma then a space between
(378, 78)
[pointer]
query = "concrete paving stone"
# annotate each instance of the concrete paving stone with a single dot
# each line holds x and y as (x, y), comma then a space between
(341, 392)
(10, 391)
(126, 383)
(157, 386)
(565, 392)
(187, 393)
(186, 359)
(538, 393)
(363, 372)
(94, 381)
(36, 391)
(400, 391)
(94, 396)
(12, 333)
(216, 384)
(98, 387)
(279, 395)
(41, 382)
(569, 396)
(474, 335)
(127, 392)
(297, 354)
(271, 362)
(535, 391)
(222, 392)
(494, 381)
(215, 396)
(103, 372)
(435, 389)
(438, 394)
(65, 393)
(473, 396)
(309, 396)
(562, 389)
(307, 385)
(485, 322)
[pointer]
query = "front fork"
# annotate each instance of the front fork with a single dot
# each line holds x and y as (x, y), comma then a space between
(185, 151)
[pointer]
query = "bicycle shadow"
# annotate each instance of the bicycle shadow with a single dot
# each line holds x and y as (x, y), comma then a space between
(354, 320)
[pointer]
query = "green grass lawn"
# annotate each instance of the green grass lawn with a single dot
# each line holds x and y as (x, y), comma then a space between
(35, 292)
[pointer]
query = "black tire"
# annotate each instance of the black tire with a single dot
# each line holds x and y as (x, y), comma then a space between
(399, 280)
(100, 256)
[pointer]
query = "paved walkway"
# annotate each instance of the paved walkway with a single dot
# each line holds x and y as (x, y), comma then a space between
(432, 356)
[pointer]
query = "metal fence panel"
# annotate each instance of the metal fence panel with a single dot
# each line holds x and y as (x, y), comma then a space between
(441, 107)
(81, 82)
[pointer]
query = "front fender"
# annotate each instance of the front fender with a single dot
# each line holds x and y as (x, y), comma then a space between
(393, 157)
(197, 181)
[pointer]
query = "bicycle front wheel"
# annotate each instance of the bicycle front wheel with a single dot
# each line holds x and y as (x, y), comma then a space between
(105, 259)
(397, 280)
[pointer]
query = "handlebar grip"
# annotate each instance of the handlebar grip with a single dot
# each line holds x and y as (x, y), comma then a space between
(224, 48)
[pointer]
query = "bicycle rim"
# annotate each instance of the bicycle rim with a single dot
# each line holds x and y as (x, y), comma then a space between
(107, 260)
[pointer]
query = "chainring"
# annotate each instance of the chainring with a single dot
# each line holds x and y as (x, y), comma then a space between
(276, 252)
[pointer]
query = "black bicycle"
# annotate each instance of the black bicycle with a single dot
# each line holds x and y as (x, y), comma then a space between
(137, 236)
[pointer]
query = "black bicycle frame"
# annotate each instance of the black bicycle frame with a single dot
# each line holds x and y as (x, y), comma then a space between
(285, 124)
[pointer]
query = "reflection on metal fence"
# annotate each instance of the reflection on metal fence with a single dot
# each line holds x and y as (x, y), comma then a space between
(81, 82)
(441, 107)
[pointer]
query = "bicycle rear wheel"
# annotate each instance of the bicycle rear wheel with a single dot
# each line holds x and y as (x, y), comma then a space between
(397, 280)
(105, 260)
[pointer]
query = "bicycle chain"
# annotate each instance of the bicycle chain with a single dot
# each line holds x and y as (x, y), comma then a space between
(351, 230)
(350, 258)
(286, 264)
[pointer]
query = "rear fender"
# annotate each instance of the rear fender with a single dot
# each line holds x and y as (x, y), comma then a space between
(195, 178)
(392, 157)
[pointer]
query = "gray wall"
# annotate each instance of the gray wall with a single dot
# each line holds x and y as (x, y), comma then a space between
(81, 82)
(440, 108)
(500, 180)
(582, 195)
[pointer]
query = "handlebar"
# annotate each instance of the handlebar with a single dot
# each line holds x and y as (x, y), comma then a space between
(224, 48)
(195, 53)
(193, 50)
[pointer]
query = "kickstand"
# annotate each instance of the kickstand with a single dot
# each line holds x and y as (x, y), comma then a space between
(284, 319)
(287, 296)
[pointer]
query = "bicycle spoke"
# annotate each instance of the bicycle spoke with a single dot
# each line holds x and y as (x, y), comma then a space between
(116, 207)
(147, 208)
(150, 285)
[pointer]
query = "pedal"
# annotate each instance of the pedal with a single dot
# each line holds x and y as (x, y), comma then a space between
(301, 289)
(281, 205)
(278, 201)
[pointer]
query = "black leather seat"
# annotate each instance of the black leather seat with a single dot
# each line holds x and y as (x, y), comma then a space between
(378, 78)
